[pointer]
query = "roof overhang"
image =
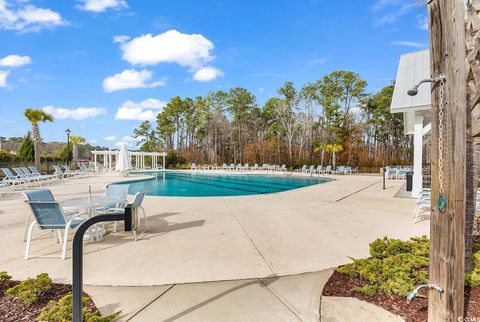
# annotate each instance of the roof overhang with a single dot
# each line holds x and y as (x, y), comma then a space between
(413, 68)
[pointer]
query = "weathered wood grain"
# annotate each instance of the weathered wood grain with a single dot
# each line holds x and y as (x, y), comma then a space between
(447, 230)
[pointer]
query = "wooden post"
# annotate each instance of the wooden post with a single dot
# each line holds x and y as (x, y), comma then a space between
(447, 230)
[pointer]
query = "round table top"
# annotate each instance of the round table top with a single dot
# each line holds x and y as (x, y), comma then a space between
(90, 202)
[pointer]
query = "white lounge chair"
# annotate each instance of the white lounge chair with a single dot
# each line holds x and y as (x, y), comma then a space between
(193, 167)
(59, 173)
(27, 178)
(303, 169)
(339, 170)
(12, 179)
(4, 189)
(73, 173)
(41, 178)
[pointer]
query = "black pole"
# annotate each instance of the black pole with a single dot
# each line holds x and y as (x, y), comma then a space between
(68, 149)
(77, 260)
(384, 170)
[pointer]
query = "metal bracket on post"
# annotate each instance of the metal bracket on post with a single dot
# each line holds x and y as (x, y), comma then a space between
(77, 278)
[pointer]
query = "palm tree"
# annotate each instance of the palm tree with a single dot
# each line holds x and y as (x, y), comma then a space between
(36, 116)
(334, 148)
(76, 140)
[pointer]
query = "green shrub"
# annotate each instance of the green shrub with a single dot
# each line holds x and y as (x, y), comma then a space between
(473, 278)
(61, 311)
(4, 277)
(7, 157)
(29, 290)
(27, 149)
(395, 266)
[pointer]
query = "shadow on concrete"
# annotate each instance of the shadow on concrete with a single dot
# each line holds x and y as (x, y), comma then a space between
(263, 283)
(166, 227)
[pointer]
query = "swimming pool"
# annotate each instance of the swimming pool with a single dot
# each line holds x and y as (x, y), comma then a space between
(187, 184)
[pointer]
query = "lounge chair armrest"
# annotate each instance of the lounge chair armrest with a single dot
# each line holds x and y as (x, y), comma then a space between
(41, 201)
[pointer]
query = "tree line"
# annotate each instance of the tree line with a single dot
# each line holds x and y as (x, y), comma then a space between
(332, 120)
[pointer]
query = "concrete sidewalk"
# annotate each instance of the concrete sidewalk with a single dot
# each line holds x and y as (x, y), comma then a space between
(291, 298)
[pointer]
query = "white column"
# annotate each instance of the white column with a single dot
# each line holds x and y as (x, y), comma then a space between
(164, 162)
(417, 156)
(95, 161)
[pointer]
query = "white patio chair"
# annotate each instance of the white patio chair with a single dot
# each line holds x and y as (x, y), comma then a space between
(48, 215)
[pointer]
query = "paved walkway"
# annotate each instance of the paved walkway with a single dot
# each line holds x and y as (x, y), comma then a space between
(243, 241)
(290, 298)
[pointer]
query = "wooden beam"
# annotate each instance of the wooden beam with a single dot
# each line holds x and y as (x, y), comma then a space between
(447, 230)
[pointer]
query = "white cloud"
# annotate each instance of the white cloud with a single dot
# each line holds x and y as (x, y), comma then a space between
(79, 113)
(206, 74)
(102, 5)
(132, 139)
(109, 138)
(410, 44)
(15, 61)
(261, 90)
(389, 11)
(145, 110)
(25, 17)
(3, 78)
(131, 78)
(317, 61)
(422, 22)
(120, 39)
(129, 140)
(92, 141)
(187, 50)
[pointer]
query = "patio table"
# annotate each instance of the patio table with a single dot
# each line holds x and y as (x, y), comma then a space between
(91, 204)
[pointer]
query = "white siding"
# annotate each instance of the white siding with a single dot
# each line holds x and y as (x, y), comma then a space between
(413, 68)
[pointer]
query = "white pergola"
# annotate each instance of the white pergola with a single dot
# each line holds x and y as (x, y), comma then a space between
(137, 159)
(417, 115)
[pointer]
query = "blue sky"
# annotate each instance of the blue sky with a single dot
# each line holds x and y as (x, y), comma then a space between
(102, 66)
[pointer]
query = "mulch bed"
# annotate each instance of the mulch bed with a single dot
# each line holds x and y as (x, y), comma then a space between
(13, 310)
(341, 285)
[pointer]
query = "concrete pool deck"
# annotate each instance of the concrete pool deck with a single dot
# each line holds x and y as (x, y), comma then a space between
(194, 240)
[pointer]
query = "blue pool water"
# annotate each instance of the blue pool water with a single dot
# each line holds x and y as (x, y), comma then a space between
(186, 184)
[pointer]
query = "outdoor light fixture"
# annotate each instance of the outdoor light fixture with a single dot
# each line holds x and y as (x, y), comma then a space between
(68, 145)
